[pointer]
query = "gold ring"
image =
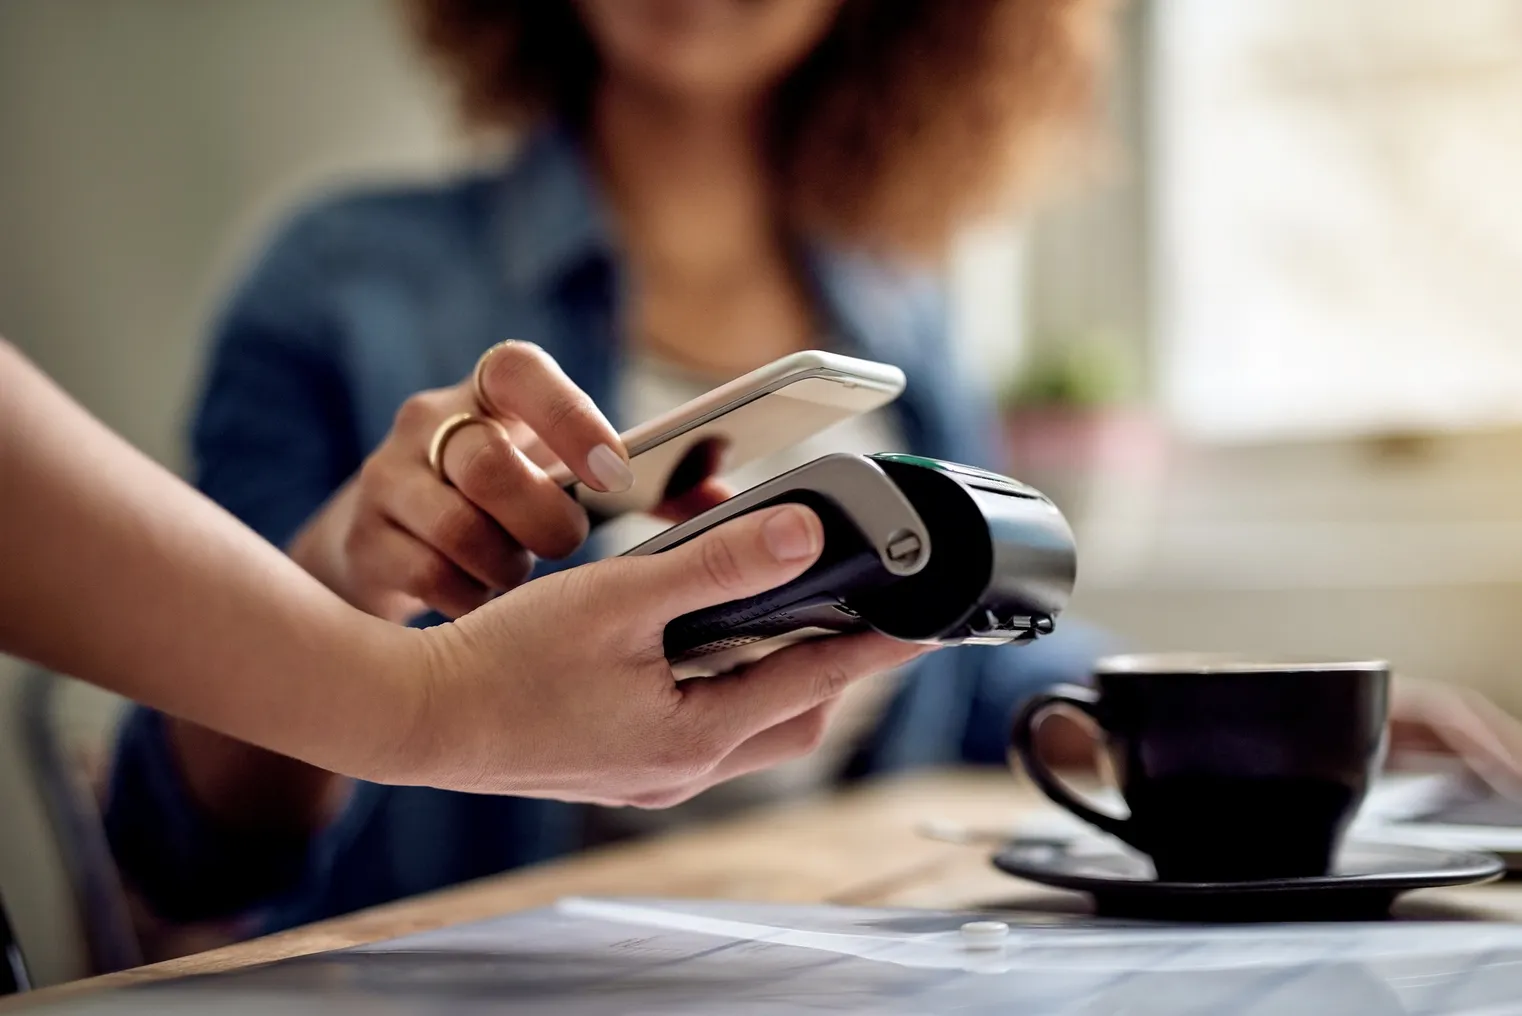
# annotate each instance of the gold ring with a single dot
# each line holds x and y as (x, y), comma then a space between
(441, 436)
(482, 399)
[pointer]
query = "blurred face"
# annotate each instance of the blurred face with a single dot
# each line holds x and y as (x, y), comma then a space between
(705, 49)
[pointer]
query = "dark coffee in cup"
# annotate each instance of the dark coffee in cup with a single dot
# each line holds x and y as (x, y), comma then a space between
(1232, 769)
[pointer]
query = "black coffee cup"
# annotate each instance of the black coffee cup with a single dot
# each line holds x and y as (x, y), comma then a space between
(1232, 769)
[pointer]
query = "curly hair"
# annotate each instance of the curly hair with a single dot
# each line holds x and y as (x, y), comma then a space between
(909, 118)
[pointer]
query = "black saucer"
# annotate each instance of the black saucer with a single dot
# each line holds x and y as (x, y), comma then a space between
(1367, 879)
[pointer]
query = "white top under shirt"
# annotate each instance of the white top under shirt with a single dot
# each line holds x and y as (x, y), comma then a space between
(651, 386)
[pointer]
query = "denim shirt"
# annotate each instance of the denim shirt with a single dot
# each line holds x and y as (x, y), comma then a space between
(362, 300)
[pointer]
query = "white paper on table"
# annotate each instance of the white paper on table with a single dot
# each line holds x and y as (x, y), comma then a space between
(601, 957)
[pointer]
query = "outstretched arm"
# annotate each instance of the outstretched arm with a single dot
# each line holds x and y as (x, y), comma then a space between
(121, 575)
(118, 573)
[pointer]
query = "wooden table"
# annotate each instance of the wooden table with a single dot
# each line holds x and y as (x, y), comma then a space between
(859, 848)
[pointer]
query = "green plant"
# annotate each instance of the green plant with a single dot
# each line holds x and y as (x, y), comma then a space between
(1071, 372)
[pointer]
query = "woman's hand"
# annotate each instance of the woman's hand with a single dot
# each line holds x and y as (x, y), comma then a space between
(561, 688)
(1429, 718)
(399, 539)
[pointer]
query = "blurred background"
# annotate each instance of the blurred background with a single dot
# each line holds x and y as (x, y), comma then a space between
(1271, 363)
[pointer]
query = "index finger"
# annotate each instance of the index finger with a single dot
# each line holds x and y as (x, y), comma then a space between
(520, 379)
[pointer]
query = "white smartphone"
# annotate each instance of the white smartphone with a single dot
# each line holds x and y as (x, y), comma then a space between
(754, 415)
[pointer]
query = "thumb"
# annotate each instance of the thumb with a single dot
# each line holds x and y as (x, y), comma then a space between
(745, 556)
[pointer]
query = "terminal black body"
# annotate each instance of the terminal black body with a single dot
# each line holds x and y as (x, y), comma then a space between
(915, 548)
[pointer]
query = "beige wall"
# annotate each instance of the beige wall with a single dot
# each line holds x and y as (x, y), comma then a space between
(139, 142)
(1406, 549)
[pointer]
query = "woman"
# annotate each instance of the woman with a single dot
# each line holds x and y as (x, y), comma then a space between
(701, 187)
(119, 574)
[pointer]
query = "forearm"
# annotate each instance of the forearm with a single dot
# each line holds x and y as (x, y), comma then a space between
(242, 786)
(118, 573)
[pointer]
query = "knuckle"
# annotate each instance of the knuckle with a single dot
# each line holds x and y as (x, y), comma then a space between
(428, 575)
(354, 545)
(813, 728)
(546, 522)
(486, 475)
(458, 528)
(417, 411)
(358, 535)
(564, 408)
(831, 678)
(720, 564)
(654, 800)
(510, 364)
(514, 568)
(374, 475)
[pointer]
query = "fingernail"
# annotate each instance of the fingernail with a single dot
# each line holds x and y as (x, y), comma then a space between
(789, 536)
(611, 471)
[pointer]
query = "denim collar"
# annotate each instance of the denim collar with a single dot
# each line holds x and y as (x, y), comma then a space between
(551, 220)
(550, 217)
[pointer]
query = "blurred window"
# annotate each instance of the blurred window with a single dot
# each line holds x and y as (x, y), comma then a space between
(1336, 214)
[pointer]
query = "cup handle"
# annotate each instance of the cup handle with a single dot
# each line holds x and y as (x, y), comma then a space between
(1023, 741)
